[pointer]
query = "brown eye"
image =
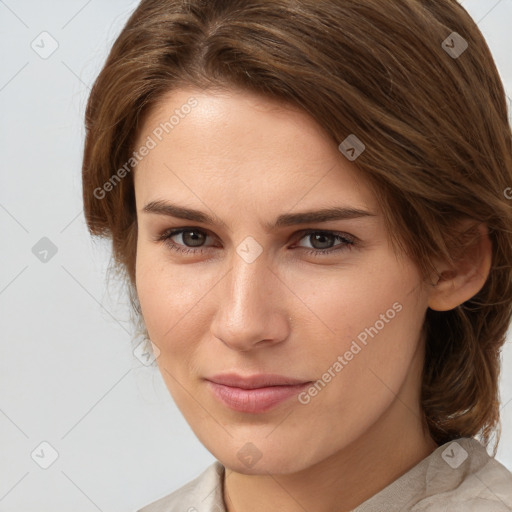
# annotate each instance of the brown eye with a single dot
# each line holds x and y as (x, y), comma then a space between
(192, 241)
(192, 238)
(323, 242)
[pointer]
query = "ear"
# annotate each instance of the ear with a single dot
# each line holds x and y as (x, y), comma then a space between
(466, 276)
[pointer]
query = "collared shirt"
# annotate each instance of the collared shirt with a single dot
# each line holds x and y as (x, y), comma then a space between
(458, 476)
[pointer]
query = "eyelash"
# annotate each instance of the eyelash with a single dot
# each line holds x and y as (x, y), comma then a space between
(348, 242)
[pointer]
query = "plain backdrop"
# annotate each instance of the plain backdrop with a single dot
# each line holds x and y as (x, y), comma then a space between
(73, 396)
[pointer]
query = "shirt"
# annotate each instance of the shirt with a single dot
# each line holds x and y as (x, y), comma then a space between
(458, 476)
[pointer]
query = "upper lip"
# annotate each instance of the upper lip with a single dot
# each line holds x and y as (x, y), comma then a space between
(254, 381)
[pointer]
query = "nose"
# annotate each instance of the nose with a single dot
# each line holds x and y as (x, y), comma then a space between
(251, 308)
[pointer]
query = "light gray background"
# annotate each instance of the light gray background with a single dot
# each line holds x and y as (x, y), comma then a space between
(67, 373)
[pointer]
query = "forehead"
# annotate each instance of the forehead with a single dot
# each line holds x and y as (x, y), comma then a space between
(235, 141)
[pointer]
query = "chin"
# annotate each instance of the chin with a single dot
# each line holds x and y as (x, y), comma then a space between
(261, 457)
(264, 466)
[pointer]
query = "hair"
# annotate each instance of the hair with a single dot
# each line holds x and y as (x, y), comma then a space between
(438, 144)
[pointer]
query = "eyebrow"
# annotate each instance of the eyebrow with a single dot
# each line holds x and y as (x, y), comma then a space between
(287, 219)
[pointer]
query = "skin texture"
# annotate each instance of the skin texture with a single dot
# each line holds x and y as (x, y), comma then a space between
(246, 160)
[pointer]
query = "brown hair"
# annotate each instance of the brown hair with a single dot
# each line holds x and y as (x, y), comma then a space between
(434, 123)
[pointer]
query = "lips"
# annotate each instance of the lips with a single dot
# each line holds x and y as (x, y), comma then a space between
(255, 393)
(254, 381)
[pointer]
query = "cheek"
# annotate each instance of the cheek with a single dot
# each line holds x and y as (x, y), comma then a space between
(170, 301)
(171, 306)
(363, 359)
(350, 302)
(160, 307)
(372, 320)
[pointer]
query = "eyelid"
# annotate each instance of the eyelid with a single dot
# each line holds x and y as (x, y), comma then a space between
(301, 233)
(347, 241)
(167, 233)
(347, 236)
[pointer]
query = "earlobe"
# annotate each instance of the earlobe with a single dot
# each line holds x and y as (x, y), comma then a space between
(460, 282)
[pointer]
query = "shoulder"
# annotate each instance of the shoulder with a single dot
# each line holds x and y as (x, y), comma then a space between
(458, 476)
(463, 477)
(203, 494)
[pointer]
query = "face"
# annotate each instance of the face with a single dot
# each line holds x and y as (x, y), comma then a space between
(250, 285)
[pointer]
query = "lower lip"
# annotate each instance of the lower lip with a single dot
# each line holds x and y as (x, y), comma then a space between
(254, 400)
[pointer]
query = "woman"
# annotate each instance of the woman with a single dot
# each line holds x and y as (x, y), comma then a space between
(308, 201)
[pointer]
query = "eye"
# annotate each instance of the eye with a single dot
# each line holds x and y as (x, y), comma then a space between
(193, 236)
(323, 242)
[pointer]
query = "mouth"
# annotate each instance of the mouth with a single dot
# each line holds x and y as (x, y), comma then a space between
(254, 394)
